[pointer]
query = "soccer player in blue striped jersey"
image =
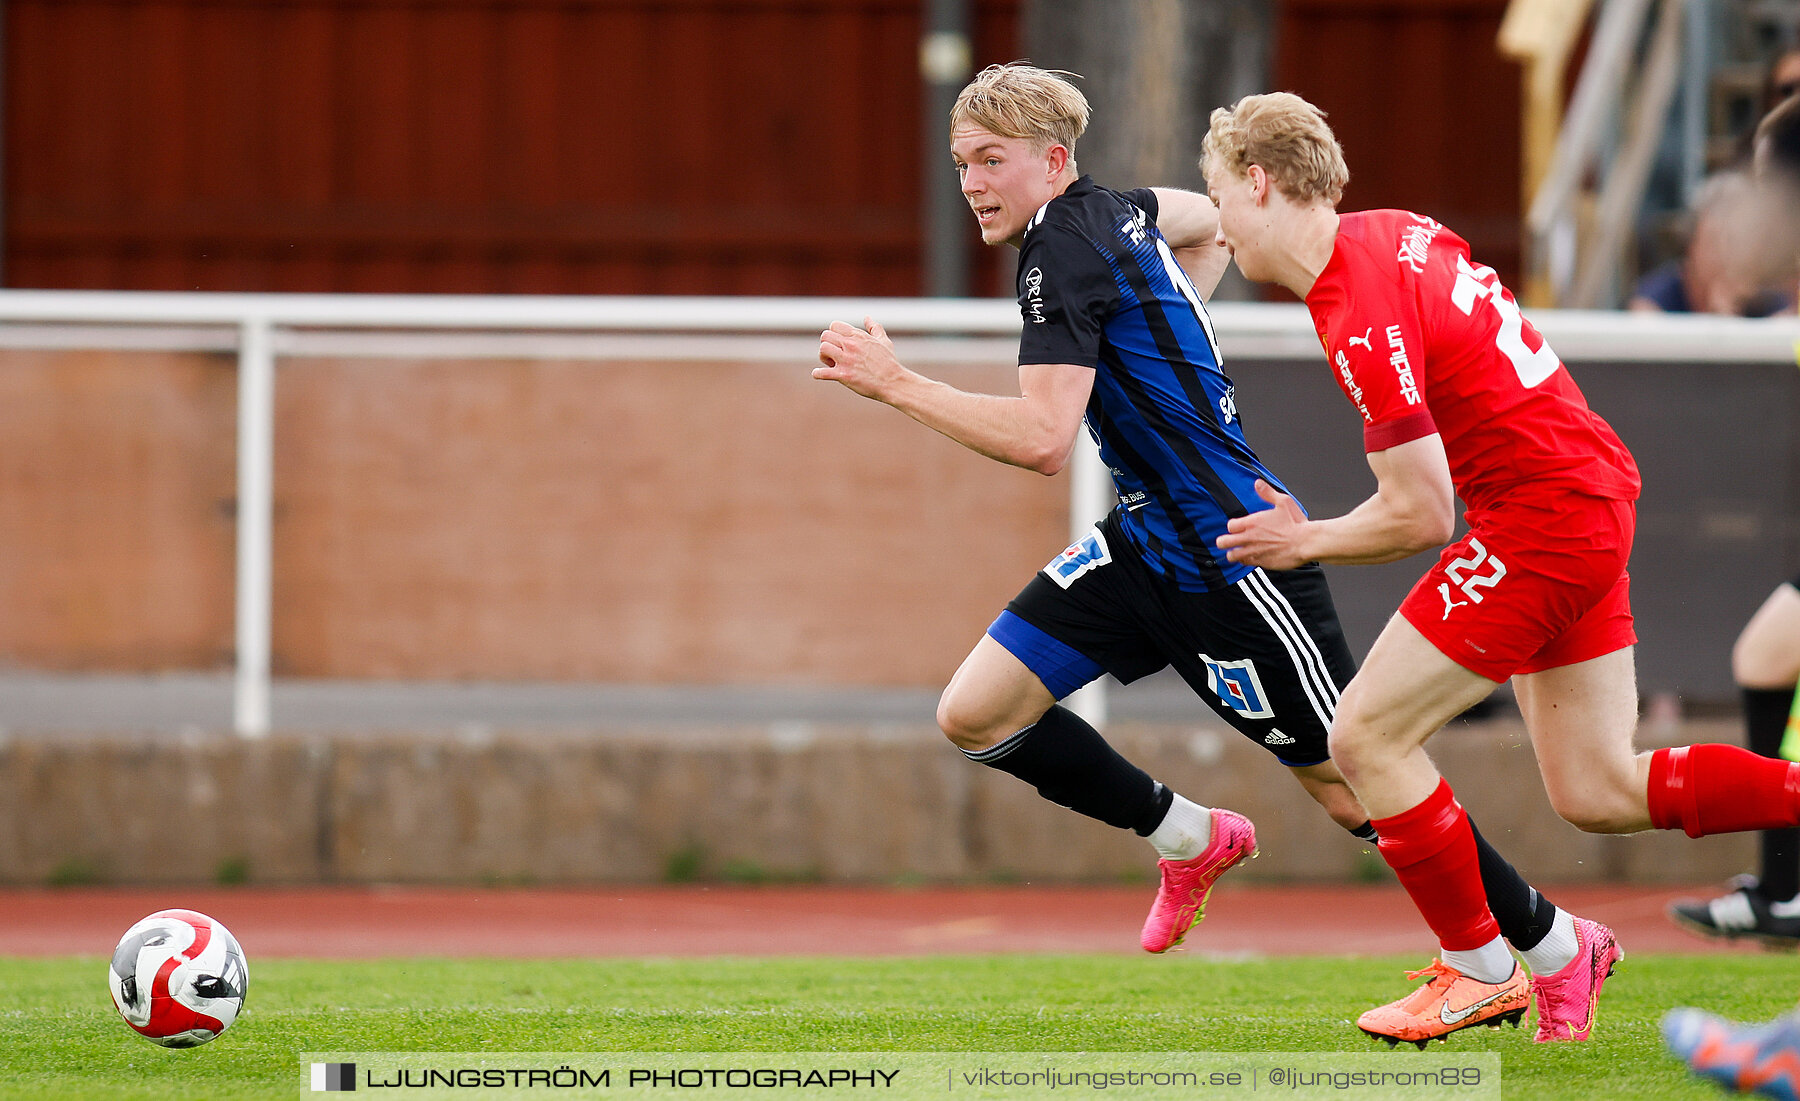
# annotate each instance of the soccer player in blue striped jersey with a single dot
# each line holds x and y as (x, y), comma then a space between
(1116, 336)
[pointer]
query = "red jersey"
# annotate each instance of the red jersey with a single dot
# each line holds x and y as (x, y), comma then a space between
(1422, 340)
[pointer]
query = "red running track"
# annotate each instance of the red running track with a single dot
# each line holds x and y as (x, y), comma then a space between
(355, 923)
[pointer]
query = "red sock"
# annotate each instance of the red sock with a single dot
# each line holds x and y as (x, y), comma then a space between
(1721, 789)
(1432, 849)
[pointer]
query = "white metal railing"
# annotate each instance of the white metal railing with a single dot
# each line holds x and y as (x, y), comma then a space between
(1579, 264)
(1585, 129)
(263, 327)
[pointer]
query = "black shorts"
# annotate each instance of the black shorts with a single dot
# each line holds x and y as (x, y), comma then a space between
(1266, 653)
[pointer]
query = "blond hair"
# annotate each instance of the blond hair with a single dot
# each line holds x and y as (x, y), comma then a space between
(1020, 100)
(1288, 137)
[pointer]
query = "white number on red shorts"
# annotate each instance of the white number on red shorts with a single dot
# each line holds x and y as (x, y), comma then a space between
(1472, 582)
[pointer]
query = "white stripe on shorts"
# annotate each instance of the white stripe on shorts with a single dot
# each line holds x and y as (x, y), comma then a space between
(1309, 663)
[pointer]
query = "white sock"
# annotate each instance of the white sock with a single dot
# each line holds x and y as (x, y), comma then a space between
(1185, 831)
(1557, 950)
(1491, 963)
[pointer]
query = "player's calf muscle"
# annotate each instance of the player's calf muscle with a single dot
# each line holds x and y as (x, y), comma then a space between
(1333, 794)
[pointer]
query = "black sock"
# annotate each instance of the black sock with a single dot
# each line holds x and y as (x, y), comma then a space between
(1524, 916)
(1070, 764)
(1366, 832)
(1765, 722)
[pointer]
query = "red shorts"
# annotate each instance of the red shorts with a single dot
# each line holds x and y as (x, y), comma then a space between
(1531, 587)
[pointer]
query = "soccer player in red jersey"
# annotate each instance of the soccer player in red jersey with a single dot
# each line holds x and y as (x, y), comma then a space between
(1460, 396)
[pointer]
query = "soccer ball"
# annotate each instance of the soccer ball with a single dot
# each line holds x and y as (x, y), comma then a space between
(179, 978)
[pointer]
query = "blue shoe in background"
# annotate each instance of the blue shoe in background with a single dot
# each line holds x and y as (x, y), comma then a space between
(1761, 1059)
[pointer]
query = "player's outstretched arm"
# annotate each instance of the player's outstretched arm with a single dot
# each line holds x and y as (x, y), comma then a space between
(1035, 430)
(1413, 509)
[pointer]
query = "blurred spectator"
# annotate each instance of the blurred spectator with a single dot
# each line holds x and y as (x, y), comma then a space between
(1738, 248)
(1783, 81)
(1775, 161)
(1780, 82)
(1775, 150)
(1720, 271)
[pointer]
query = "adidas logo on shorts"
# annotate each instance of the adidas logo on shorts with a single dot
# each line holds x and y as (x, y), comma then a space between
(1276, 737)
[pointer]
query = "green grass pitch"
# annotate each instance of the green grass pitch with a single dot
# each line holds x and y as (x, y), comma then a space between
(59, 1037)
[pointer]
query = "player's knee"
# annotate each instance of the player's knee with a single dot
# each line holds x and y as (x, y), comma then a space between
(1754, 664)
(1597, 809)
(1353, 744)
(1745, 662)
(1341, 742)
(966, 725)
(1595, 817)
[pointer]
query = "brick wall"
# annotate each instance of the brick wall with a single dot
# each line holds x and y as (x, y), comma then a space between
(833, 804)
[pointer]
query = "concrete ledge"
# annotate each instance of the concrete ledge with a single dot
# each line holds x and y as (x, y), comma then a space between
(829, 803)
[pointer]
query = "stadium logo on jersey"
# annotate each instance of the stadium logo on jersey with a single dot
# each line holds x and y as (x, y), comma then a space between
(1238, 687)
(1034, 295)
(1417, 243)
(1403, 372)
(1087, 553)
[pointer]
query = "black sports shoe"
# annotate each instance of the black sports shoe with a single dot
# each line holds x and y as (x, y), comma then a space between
(1742, 913)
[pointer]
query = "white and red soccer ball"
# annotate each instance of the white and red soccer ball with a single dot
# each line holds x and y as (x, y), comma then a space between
(179, 978)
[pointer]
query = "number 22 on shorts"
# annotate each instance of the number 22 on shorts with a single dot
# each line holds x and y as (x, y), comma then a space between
(1467, 574)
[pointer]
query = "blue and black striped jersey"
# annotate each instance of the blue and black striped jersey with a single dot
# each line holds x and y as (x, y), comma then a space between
(1099, 287)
